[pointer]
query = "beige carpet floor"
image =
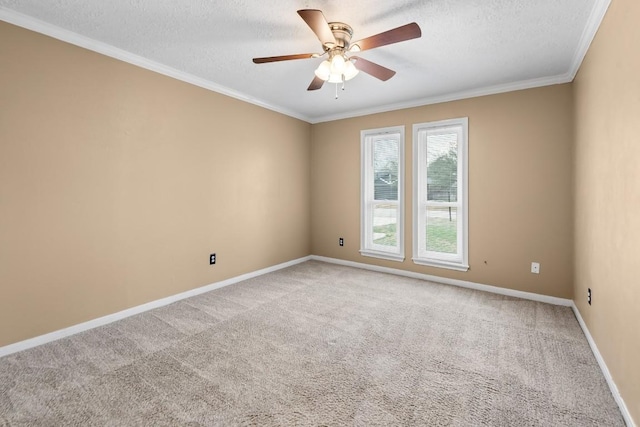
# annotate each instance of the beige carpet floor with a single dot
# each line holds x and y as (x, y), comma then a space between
(318, 345)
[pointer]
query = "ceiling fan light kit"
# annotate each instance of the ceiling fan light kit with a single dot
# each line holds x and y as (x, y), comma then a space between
(339, 69)
(336, 43)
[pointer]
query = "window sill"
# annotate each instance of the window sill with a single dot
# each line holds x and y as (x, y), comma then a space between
(441, 264)
(382, 255)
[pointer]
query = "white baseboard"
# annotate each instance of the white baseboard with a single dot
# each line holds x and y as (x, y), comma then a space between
(603, 367)
(81, 327)
(62, 333)
(455, 282)
(502, 291)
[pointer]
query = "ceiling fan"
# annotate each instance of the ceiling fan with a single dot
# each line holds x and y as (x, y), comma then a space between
(336, 43)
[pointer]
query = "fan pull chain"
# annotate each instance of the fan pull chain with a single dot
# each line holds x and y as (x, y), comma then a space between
(342, 86)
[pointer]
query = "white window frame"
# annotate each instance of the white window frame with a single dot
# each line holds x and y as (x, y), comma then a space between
(367, 246)
(459, 261)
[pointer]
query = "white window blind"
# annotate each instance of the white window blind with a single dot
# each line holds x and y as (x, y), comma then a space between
(382, 168)
(440, 231)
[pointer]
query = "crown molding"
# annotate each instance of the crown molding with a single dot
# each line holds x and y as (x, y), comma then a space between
(596, 16)
(489, 90)
(76, 39)
(595, 19)
(600, 8)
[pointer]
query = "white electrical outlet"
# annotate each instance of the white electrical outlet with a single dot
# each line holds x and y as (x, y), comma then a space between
(535, 267)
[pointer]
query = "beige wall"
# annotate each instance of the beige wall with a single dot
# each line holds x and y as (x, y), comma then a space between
(116, 183)
(520, 201)
(607, 189)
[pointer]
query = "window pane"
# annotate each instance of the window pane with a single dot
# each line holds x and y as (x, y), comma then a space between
(385, 222)
(385, 169)
(381, 209)
(442, 167)
(442, 229)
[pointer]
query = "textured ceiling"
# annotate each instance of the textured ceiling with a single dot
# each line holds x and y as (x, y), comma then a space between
(467, 48)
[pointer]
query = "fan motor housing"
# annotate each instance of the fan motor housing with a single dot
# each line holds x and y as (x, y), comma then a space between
(342, 33)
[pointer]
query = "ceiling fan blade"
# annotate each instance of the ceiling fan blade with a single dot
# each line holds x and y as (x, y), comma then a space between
(284, 58)
(400, 34)
(373, 69)
(316, 84)
(318, 24)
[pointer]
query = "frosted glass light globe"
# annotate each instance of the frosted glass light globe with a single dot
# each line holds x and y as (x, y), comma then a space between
(323, 70)
(335, 78)
(337, 64)
(350, 70)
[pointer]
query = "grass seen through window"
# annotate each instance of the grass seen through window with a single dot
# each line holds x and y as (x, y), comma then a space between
(441, 235)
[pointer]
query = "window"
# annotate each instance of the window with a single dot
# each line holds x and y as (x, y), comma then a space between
(440, 227)
(382, 188)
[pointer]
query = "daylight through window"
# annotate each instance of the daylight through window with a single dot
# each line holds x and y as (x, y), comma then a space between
(440, 225)
(382, 156)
